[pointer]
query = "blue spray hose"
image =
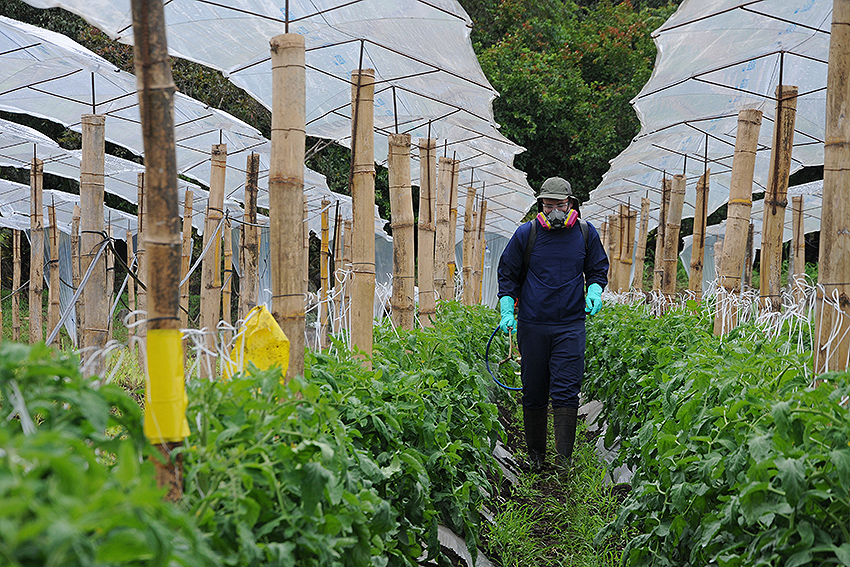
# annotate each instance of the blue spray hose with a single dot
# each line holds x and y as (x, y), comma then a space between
(487, 363)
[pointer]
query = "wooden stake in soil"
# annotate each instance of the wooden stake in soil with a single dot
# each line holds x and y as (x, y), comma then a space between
(16, 284)
(427, 228)
(737, 220)
(482, 251)
(186, 257)
(833, 297)
(401, 212)
(286, 193)
(698, 242)
(469, 236)
(36, 250)
(776, 197)
(249, 258)
(658, 269)
(53, 310)
(748, 262)
(798, 247)
(345, 308)
(227, 284)
(363, 210)
(165, 401)
(613, 251)
(75, 267)
(628, 220)
(670, 260)
(211, 264)
(110, 284)
(640, 247)
(451, 256)
(718, 256)
(442, 214)
(323, 274)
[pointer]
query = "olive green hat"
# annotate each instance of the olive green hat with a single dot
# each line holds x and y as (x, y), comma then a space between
(556, 188)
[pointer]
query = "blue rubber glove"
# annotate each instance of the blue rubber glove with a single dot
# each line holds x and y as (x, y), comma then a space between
(506, 306)
(593, 301)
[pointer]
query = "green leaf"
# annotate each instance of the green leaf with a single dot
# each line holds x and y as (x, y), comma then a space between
(842, 552)
(125, 546)
(792, 474)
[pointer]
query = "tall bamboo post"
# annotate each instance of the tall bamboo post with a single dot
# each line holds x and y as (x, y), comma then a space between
(670, 260)
(427, 228)
(323, 273)
(718, 257)
(798, 246)
(186, 257)
(16, 284)
(211, 264)
(628, 222)
(345, 308)
(141, 265)
(36, 250)
(165, 401)
(249, 258)
(401, 212)
(474, 257)
(286, 193)
(658, 268)
(337, 273)
(640, 246)
(698, 242)
(603, 237)
(451, 261)
(737, 219)
(75, 266)
(131, 288)
(305, 251)
(469, 237)
(442, 213)
(482, 251)
(748, 259)
(363, 209)
(613, 251)
(92, 231)
(110, 285)
(227, 284)
(53, 310)
(776, 197)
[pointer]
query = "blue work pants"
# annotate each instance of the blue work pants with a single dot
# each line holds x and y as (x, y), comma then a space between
(552, 363)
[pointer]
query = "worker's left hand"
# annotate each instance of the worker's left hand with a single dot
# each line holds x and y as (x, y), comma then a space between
(593, 301)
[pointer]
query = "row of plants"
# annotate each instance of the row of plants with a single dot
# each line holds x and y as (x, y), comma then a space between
(344, 466)
(740, 457)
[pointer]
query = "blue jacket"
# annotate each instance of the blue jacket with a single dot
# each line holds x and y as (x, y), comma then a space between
(553, 291)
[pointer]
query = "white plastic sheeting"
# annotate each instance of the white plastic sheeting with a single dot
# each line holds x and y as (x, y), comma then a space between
(429, 83)
(715, 59)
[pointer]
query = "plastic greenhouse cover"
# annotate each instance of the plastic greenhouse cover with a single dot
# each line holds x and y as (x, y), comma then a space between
(714, 60)
(429, 82)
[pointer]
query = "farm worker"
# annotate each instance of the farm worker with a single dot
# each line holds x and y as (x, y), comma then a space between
(543, 272)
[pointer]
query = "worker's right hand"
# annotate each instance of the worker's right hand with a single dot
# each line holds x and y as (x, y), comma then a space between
(506, 306)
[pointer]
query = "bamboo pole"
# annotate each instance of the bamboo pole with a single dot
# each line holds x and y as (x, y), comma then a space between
(211, 264)
(737, 219)
(798, 247)
(36, 250)
(628, 221)
(401, 212)
(670, 260)
(165, 403)
(603, 237)
(469, 238)
(249, 258)
(427, 230)
(613, 251)
(363, 209)
(748, 262)
(718, 257)
(337, 273)
(141, 265)
(53, 310)
(286, 193)
(227, 284)
(658, 268)
(16, 284)
(474, 257)
(776, 197)
(110, 285)
(698, 242)
(640, 246)
(442, 213)
(131, 289)
(305, 256)
(482, 251)
(323, 273)
(345, 308)
(451, 258)
(186, 257)
(75, 267)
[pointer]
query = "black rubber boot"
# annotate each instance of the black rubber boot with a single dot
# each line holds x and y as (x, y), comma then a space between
(535, 423)
(565, 433)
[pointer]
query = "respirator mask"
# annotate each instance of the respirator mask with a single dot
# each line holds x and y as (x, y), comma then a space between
(557, 219)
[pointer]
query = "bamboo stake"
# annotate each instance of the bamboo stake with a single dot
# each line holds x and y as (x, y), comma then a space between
(337, 272)
(345, 308)
(698, 242)
(186, 257)
(75, 268)
(748, 263)
(110, 285)
(363, 209)
(613, 251)
(165, 403)
(658, 268)
(474, 261)
(798, 247)
(54, 310)
(401, 212)
(427, 230)
(469, 237)
(141, 265)
(442, 214)
(248, 284)
(482, 247)
(131, 290)
(776, 197)
(628, 220)
(670, 260)
(640, 247)
(323, 273)
(211, 264)
(603, 237)
(737, 219)
(16, 284)
(718, 257)
(227, 285)
(286, 193)
(36, 250)
(305, 256)
(451, 258)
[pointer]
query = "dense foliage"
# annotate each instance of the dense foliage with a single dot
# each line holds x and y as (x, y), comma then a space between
(738, 459)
